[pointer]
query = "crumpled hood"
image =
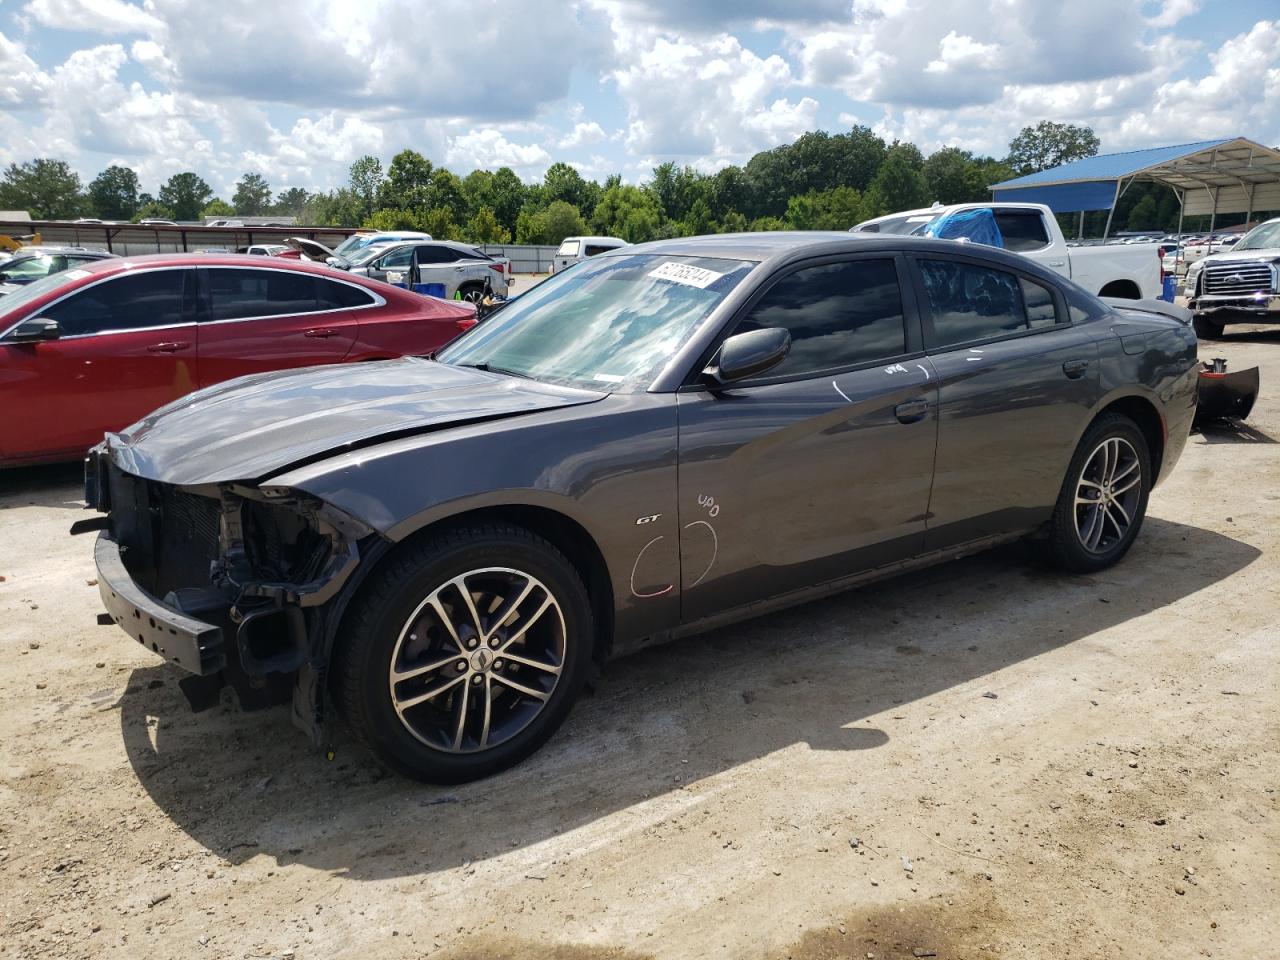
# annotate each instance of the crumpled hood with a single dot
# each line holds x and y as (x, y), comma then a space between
(252, 427)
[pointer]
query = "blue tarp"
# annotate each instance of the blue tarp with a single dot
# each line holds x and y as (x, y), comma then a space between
(976, 226)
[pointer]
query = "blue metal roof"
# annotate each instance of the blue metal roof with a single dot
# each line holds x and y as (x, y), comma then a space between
(1109, 166)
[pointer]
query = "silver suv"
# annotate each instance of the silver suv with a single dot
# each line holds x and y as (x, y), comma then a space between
(440, 268)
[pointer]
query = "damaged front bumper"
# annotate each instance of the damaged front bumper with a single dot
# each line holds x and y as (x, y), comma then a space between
(233, 583)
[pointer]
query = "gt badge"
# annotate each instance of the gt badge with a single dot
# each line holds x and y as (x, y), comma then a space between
(640, 520)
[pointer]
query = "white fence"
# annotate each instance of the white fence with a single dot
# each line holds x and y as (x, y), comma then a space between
(525, 258)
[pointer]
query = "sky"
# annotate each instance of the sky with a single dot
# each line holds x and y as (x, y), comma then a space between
(297, 89)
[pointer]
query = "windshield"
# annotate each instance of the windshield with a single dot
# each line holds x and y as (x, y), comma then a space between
(608, 324)
(569, 248)
(34, 291)
(356, 241)
(1265, 236)
(913, 224)
(370, 251)
(27, 268)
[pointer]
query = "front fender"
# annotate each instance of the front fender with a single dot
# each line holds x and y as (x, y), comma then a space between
(608, 467)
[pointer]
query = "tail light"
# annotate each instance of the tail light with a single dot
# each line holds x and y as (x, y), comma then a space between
(465, 323)
(500, 267)
(1160, 257)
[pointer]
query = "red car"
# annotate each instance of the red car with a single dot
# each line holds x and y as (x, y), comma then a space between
(92, 350)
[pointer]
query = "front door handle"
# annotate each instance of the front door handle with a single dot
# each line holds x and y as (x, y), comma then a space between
(910, 411)
(1057, 263)
(1074, 369)
(321, 333)
(169, 346)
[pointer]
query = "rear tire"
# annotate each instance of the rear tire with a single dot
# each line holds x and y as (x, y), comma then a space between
(1207, 329)
(445, 686)
(472, 292)
(1103, 500)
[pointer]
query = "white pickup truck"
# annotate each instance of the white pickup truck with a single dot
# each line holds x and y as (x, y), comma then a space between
(1129, 271)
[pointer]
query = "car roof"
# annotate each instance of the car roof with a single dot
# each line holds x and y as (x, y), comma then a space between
(151, 260)
(779, 247)
(598, 239)
(60, 248)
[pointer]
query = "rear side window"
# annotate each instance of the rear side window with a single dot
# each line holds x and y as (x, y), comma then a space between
(128, 302)
(969, 302)
(241, 294)
(593, 249)
(569, 248)
(1022, 231)
(436, 255)
(335, 296)
(839, 314)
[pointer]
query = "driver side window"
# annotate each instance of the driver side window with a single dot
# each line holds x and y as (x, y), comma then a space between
(396, 259)
(129, 302)
(838, 314)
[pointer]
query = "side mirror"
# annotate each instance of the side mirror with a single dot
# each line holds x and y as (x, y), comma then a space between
(35, 330)
(747, 354)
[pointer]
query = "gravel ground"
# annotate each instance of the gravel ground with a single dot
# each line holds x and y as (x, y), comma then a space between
(984, 759)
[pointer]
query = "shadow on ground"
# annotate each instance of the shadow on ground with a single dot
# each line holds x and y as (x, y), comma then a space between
(247, 783)
(55, 485)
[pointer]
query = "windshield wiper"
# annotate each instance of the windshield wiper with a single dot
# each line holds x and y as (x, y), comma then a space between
(490, 368)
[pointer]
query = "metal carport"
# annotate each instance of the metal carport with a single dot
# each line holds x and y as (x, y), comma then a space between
(1210, 177)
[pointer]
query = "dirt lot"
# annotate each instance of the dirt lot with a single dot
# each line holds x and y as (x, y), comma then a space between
(980, 760)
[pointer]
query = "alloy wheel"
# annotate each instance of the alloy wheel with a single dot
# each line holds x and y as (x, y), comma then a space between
(478, 660)
(1107, 495)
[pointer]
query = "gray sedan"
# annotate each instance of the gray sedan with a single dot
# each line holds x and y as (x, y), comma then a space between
(664, 438)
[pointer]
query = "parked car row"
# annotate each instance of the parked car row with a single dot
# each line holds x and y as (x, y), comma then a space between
(35, 263)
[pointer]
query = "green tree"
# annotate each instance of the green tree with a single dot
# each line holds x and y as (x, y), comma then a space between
(562, 220)
(366, 179)
(47, 189)
(113, 194)
(292, 203)
(484, 228)
(732, 222)
(1050, 144)
(185, 194)
(836, 209)
(217, 208)
(408, 183)
(446, 193)
(898, 184)
(252, 195)
(760, 224)
(392, 218)
(500, 190)
(628, 212)
(562, 182)
(153, 210)
(439, 222)
(697, 221)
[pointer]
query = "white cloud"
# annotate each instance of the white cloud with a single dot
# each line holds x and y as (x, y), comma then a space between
(23, 84)
(705, 101)
(95, 16)
(489, 149)
(583, 133)
(1173, 11)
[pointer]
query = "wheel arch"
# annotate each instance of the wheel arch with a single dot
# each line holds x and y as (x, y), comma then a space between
(1123, 289)
(562, 531)
(1144, 413)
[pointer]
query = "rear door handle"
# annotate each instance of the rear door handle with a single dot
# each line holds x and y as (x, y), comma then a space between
(169, 346)
(1074, 369)
(321, 333)
(910, 411)
(1057, 263)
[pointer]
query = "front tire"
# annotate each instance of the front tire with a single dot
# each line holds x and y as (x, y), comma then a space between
(464, 653)
(1103, 500)
(1207, 329)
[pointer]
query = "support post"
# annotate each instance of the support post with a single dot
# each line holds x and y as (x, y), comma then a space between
(1106, 231)
(1080, 227)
